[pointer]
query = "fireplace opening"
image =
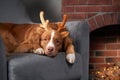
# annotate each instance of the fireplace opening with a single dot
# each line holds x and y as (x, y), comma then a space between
(104, 46)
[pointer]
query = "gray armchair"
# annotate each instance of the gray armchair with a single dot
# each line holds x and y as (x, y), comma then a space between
(29, 66)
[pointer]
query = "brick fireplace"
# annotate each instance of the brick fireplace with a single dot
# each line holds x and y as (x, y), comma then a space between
(104, 46)
(103, 18)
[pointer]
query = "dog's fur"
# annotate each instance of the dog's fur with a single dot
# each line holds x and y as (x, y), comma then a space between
(35, 38)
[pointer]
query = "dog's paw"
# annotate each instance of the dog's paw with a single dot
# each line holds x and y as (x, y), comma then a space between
(70, 58)
(39, 51)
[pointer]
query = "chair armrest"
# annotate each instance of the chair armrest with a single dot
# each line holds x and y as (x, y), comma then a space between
(79, 32)
(3, 62)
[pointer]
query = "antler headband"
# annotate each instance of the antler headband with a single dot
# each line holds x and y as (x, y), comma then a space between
(61, 25)
(43, 21)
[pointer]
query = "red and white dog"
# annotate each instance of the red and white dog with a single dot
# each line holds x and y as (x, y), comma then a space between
(46, 38)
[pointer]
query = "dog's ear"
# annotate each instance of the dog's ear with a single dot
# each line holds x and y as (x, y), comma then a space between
(64, 34)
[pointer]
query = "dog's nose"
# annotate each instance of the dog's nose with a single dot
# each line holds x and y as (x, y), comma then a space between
(50, 49)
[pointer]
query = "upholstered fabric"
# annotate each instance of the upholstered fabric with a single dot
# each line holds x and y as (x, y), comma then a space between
(37, 67)
(13, 11)
(3, 64)
(24, 11)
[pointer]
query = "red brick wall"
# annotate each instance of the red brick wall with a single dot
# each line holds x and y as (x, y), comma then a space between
(85, 9)
(98, 14)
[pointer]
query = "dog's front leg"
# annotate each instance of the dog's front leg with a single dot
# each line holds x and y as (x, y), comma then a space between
(70, 52)
(37, 49)
(22, 48)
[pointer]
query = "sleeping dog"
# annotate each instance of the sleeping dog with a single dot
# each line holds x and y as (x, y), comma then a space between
(45, 38)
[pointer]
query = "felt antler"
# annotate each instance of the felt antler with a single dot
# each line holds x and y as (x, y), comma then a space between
(61, 25)
(43, 21)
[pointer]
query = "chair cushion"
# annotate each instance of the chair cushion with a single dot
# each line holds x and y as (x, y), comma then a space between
(38, 67)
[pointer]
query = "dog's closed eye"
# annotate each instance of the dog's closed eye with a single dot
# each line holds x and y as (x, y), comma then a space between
(45, 39)
(57, 41)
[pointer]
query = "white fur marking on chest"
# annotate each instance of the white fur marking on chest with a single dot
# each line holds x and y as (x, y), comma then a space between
(50, 43)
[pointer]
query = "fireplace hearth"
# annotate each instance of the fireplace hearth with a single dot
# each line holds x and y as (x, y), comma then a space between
(104, 47)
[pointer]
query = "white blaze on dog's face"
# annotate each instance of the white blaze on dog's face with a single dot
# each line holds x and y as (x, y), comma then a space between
(51, 42)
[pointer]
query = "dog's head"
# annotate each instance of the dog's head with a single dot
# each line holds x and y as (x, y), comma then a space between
(52, 39)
